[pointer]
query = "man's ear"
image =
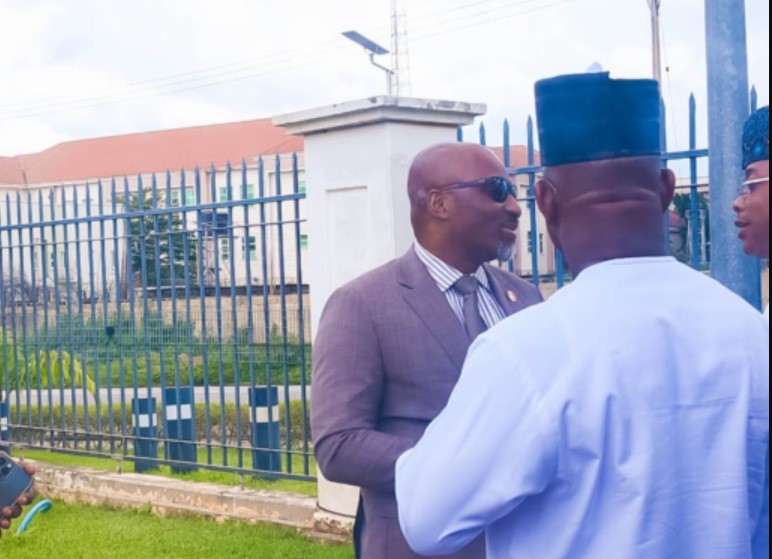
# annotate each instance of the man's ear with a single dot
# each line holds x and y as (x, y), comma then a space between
(547, 201)
(438, 205)
(668, 180)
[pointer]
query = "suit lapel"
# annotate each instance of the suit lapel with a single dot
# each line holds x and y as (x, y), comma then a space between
(504, 294)
(429, 303)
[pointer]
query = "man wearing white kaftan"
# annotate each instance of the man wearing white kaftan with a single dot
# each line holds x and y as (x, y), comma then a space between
(636, 425)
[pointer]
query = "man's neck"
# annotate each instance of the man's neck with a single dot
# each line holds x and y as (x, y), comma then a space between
(466, 266)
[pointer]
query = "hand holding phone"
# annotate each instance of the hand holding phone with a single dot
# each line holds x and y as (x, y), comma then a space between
(15, 483)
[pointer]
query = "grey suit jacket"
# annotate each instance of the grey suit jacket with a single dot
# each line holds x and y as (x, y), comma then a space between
(388, 352)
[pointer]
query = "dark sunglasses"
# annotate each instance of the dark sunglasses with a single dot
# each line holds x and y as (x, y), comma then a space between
(498, 188)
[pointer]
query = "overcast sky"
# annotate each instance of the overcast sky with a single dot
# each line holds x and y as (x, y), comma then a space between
(73, 69)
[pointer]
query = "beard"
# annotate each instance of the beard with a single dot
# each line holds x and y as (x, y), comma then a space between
(506, 251)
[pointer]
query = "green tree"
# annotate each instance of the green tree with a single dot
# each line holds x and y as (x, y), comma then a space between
(10, 362)
(160, 243)
(683, 204)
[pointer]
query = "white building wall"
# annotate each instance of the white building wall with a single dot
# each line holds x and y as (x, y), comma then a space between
(91, 256)
(544, 247)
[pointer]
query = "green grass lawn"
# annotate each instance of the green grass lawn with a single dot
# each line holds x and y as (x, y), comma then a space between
(79, 532)
(206, 476)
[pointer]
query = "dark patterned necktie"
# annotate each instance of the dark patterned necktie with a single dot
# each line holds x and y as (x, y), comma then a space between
(474, 323)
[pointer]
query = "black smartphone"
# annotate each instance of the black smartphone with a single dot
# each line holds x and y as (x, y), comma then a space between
(14, 481)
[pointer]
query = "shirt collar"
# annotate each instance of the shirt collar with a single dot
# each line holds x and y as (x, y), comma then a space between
(443, 274)
(632, 261)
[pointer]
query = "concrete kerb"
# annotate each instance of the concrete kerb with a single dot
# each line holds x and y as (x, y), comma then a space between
(173, 497)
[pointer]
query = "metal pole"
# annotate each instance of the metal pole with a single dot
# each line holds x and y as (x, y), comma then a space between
(728, 107)
(388, 71)
(656, 48)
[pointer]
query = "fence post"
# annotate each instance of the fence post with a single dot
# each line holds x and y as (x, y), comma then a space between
(179, 428)
(532, 210)
(143, 410)
(5, 427)
(357, 157)
(264, 415)
(694, 195)
(663, 148)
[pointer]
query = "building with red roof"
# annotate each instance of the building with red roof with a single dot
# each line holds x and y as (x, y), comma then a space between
(148, 152)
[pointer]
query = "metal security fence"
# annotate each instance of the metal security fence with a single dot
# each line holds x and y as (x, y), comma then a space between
(161, 318)
(687, 225)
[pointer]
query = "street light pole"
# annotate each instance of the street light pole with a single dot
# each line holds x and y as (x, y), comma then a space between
(373, 49)
(389, 74)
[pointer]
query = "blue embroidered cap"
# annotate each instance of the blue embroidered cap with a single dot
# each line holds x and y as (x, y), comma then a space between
(756, 137)
(591, 117)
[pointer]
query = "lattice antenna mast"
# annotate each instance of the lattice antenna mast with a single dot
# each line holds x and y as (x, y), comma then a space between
(400, 55)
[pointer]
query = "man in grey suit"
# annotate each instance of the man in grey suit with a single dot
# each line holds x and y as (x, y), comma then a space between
(391, 344)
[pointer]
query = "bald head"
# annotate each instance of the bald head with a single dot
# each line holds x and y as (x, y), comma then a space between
(465, 224)
(445, 164)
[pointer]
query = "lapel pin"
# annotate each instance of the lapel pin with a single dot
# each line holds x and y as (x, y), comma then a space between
(512, 296)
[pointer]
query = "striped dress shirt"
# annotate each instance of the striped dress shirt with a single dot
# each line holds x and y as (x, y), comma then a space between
(445, 276)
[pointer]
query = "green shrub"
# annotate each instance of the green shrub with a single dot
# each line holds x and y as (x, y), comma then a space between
(54, 369)
(164, 369)
(61, 426)
(10, 362)
(42, 369)
(64, 425)
(157, 352)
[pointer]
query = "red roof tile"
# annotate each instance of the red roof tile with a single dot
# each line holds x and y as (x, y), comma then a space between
(149, 152)
(518, 156)
(153, 152)
(10, 171)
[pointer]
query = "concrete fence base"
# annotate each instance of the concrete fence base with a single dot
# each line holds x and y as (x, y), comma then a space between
(173, 497)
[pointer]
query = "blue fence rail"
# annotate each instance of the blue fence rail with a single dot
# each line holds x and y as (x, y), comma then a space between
(152, 317)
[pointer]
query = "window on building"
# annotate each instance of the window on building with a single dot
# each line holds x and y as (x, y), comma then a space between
(303, 241)
(541, 243)
(225, 250)
(190, 197)
(530, 243)
(249, 191)
(249, 249)
(223, 194)
(302, 187)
